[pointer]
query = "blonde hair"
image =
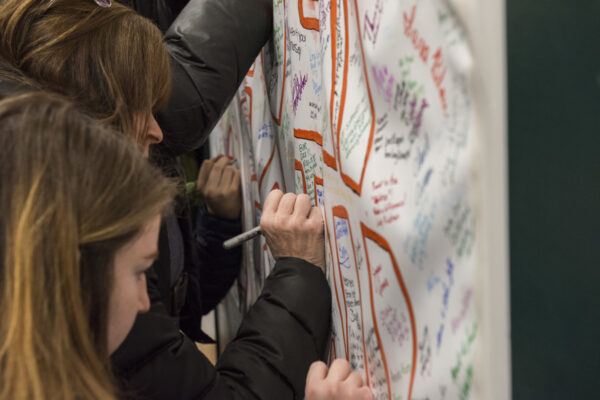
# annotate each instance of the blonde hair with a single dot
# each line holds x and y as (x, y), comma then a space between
(73, 193)
(111, 61)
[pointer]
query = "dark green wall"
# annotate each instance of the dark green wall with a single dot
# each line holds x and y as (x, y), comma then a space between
(553, 52)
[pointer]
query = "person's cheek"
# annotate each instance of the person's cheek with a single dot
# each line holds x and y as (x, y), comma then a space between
(144, 300)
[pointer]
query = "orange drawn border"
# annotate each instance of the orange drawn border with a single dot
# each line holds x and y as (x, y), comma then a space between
(352, 184)
(278, 118)
(309, 135)
(252, 68)
(337, 296)
(377, 238)
(266, 168)
(307, 22)
(248, 91)
(299, 167)
(329, 160)
(332, 352)
(264, 172)
(341, 212)
(317, 181)
(228, 142)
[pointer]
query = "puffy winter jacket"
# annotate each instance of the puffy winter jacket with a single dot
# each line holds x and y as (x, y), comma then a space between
(212, 44)
(282, 334)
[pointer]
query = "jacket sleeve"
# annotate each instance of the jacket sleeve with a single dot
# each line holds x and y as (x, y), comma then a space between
(161, 12)
(212, 44)
(218, 267)
(282, 334)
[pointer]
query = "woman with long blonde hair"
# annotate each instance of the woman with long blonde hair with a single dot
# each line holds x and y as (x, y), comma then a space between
(79, 216)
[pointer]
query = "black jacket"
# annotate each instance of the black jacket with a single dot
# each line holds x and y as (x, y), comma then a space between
(212, 44)
(284, 331)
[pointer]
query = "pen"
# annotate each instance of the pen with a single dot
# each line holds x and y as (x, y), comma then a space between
(241, 238)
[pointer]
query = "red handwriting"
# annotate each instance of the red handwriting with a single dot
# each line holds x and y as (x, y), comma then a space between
(413, 34)
(438, 70)
(387, 220)
(380, 284)
(377, 199)
(383, 203)
(385, 182)
(388, 207)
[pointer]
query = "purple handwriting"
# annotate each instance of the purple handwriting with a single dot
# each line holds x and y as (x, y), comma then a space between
(465, 305)
(384, 81)
(297, 89)
(396, 326)
(371, 26)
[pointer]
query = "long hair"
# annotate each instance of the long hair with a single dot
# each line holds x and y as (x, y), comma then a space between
(73, 192)
(111, 61)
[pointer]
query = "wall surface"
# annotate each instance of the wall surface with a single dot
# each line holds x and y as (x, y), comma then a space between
(554, 153)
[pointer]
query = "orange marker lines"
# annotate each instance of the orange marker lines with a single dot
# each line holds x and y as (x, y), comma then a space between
(356, 186)
(341, 212)
(309, 135)
(299, 167)
(307, 22)
(329, 160)
(248, 91)
(337, 296)
(278, 117)
(318, 181)
(264, 172)
(374, 236)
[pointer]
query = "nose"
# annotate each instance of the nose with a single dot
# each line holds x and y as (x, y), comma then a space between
(155, 134)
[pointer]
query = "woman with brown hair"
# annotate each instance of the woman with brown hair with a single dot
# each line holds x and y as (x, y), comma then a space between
(79, 216)
(111, 62)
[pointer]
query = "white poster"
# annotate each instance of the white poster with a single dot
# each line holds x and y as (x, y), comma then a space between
(366, 106)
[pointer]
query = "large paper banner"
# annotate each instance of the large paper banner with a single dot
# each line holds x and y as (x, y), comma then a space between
(366, 106)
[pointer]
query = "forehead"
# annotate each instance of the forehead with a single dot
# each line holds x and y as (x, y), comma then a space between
(143, 245)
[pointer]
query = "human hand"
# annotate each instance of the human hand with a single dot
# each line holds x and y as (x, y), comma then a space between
(219, 183)
(293, 228)
(339, 382)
